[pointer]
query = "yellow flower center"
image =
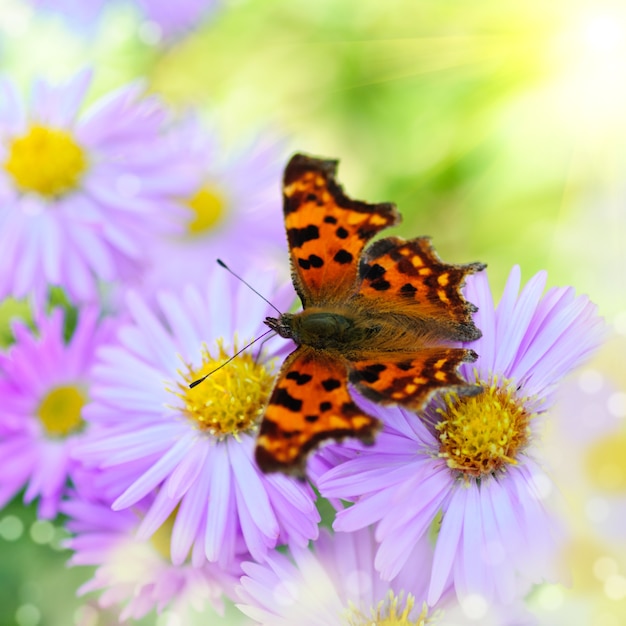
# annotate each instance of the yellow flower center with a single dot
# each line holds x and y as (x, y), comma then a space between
(209, 207)
(232, 399)
(60, 410)
(605, 463)
(47, 161)
(481, 434)
(388, 613)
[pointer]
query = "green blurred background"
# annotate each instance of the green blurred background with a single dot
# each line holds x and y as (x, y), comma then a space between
(498, 127)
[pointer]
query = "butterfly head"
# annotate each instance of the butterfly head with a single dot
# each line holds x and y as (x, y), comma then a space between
(282, 325)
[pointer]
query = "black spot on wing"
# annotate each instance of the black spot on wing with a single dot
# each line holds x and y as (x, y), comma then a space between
(331, 384)
(325, 406)
(407, 290)
(299, 236)
(312, 261)
(311, 418)
(301, 379)
(369, 373)
(380, 285)
(342, 233)
(329, 219)
(283, 398)
(343, 257)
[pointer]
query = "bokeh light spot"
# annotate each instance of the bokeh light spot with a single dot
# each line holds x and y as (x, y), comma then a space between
(590, 381)
(11, 528)
(615, 587)
(168, 618)
(27, 615)
(604, 567)
(42, 532)
(474, 606)
(597, 509)
(85, 616)
(617, 404)
(550, 597)
(619, 323)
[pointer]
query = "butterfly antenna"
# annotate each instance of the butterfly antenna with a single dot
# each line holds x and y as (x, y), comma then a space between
(222, 264)
(219, 367)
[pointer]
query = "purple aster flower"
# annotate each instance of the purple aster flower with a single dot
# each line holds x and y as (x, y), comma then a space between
(234, 209)
(83, 193)
(469, 466)
(195, 446)
(335, 584)
(45, 385)
(136, 574)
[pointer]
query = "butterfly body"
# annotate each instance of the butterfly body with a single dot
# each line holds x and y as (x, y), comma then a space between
(383, 318)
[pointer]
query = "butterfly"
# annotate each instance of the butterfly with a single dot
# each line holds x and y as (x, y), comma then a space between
(380, 318)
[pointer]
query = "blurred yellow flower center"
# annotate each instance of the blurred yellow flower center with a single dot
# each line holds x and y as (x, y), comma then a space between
(605, 463)
(481, 434)
(60, 410)
(161, 539)
(388, 613)
(208, 206)
(47, 161)
(232, 399)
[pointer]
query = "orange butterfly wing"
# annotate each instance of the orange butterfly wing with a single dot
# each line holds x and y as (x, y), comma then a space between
(309, 404)
(408, 277)
(326, 230)
(411, 379)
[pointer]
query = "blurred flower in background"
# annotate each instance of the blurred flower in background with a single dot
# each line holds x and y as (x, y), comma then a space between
(82, 193)
(45, 384)
(234, 186)
(138, 575)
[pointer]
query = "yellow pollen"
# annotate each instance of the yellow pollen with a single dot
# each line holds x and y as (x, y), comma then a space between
(388, 613)
(209, 207)
(47, 161)
(232, 399)
(481, 434)
(60, 410)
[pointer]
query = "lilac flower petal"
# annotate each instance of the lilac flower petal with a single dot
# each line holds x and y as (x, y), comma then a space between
(518, 322)
(217, 506)
(148, 481)
(155, 517)
(189, 518)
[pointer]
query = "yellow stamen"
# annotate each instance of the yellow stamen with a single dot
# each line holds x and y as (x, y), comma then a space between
(232, 399)
(60, 410)
(209, 207)
(47, 161)
(388, 613)
(481, 434)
